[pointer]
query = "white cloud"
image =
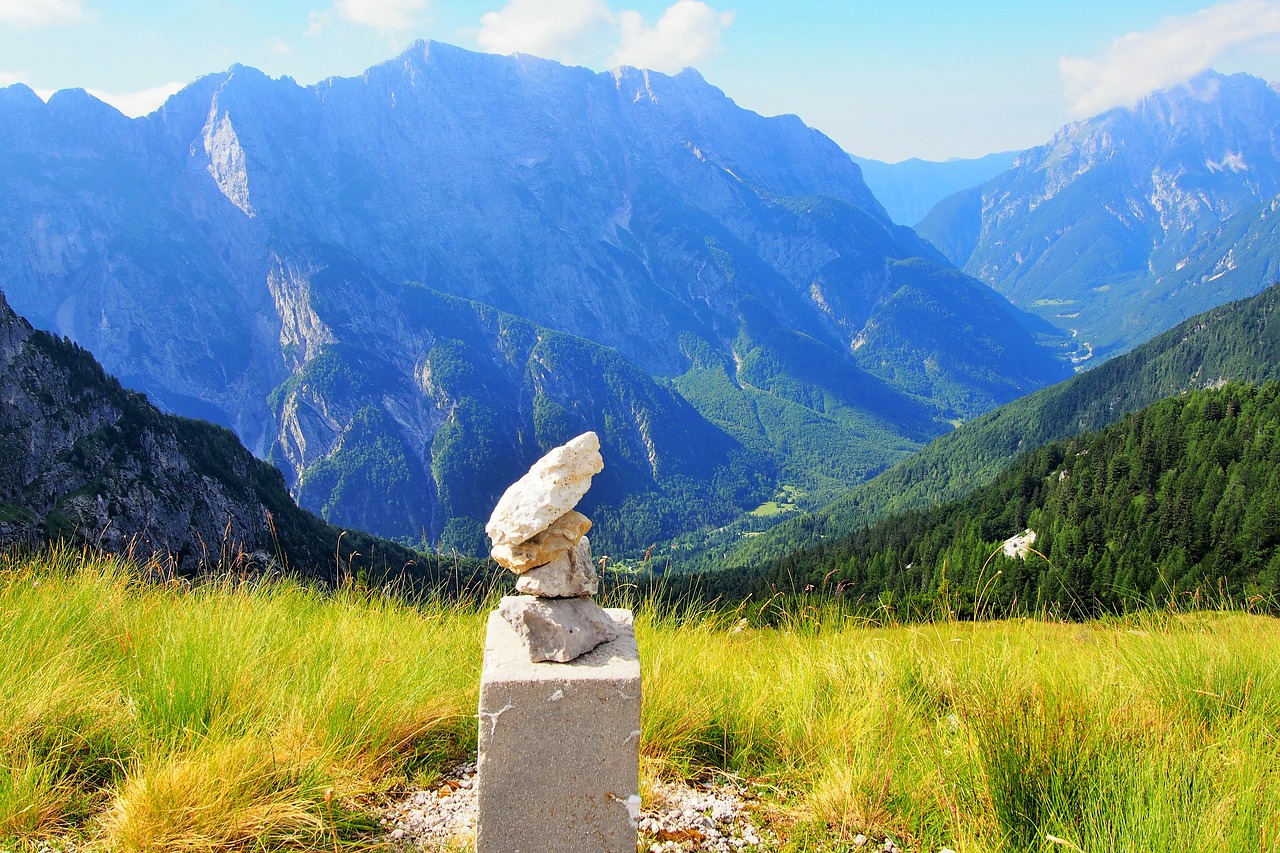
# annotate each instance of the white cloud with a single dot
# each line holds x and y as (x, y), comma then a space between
(318, 22)
(280, 47)
(1173, 52)
(688, 32)
(567, 30)
(137, 103)
(42, 13)
(386, 16)
(132, 104)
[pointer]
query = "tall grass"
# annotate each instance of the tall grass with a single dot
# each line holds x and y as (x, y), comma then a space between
(1154, 734)
(226, 716)
(237, 715)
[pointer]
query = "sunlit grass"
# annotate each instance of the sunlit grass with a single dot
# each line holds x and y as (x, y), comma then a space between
(231, 715)
(236, 715)
(1156, 735)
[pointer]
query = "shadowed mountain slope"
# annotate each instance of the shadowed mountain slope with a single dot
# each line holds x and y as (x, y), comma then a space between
(83, 459)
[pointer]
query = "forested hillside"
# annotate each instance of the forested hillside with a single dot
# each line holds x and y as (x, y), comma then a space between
(1239, 341)
(1178, 502)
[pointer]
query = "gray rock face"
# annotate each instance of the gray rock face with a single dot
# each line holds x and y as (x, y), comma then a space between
(571, 573)
(553, 487)
(557, 629)
(85, 460)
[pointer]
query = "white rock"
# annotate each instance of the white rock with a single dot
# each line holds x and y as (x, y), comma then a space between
(569, 575)
(553, 486)
(556, 540)
(558, 629)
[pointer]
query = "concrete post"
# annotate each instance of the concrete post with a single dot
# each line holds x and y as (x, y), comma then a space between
(559, 747)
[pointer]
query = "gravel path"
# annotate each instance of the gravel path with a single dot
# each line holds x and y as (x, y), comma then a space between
(714, 817)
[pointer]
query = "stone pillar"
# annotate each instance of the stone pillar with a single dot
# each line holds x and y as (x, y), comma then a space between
(559, 747)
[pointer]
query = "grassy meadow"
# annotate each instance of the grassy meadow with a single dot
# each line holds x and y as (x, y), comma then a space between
(239, 715)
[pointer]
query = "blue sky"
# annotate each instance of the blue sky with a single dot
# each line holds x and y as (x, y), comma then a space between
(885, 80)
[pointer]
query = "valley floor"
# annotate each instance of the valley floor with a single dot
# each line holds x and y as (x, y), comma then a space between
(239, 715)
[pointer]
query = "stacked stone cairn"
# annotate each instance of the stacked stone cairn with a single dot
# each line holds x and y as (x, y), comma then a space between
(537, 534)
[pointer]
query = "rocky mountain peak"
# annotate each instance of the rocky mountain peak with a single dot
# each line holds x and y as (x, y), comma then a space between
(1131, 220)
(408, 282)
(20, 95)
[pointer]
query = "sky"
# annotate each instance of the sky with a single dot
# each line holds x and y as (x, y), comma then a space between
(887, 80)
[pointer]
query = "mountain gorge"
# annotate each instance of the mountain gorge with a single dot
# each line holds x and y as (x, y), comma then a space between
(910, 188)
(1132, 221)
(402, 288)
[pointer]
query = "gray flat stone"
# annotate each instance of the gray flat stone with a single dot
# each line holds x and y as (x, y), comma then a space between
(559, 747)
(570, 575)
(557, 629)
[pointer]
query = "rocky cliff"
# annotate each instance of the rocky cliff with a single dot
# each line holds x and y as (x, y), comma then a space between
(83, 459)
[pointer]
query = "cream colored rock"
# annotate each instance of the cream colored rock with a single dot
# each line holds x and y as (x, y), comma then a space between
(553, 486)
(571, 574)
(556, 541)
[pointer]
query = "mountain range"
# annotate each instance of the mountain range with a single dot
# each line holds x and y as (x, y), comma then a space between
(1132, 221)
(402, 288)
(910, 188)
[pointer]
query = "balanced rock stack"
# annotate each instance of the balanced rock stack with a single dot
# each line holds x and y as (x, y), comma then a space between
(538, 535)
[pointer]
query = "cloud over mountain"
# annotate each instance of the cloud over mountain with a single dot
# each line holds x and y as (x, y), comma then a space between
(563, 29)
(1173, 52)
(687, 33)
(590, 31)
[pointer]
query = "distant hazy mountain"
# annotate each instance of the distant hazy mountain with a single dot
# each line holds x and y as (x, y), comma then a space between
(1238, 342)
(84, 460)
(910, 188)
(1134, 220)
(247, 254)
